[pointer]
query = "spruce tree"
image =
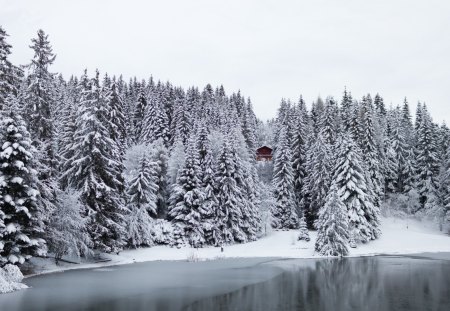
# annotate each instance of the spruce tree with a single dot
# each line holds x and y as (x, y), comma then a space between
(333, 224)
(138, 115)
(284, 214)
(427, 157)
(21, 224)
(320, 168)
(116, 117)
(299, 158)
(160, 159)
(95, 171)
(7, 71)
(141, 193)
(228, 215)
(187, 199)
(370, 150)
(351, 183)
(346, 110)
(39, 103)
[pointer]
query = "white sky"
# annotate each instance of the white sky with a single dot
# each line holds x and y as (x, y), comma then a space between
(267, 49)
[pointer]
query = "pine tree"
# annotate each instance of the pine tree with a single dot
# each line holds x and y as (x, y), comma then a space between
(155, 123)
(427, 157)
(95, 171)
(346, 110)
(138, 115)
(351, 183)
(328, 128)
(182, 121)
(39, 103)
(370, 150)
(445, 186)
(299, 159)
(116, 117)
(160, 158)
(333, 234)
(320, 168)
(303, 234)
(186, 200)
(141, 192)
(284, 214)
(142, 188)
(7, 71)
(21, 225)
(228, 216)
(406, 123)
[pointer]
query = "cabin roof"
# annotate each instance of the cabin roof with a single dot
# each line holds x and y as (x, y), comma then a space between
(264, 149)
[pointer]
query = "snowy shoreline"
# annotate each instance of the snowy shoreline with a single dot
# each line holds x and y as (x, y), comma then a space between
(400, 237)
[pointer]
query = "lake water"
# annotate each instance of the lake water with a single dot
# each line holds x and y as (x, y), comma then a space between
(368, 283)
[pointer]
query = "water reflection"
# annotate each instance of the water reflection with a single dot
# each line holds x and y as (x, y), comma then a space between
(370, 283)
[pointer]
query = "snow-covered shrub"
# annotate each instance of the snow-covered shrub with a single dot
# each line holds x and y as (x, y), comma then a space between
(67, 231)
(162, 231)
(10, 279)
(401, 205)
(193, 257)
(303, 231)
(139, 227)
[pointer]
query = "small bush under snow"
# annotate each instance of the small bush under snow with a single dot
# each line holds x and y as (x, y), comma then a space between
(10, 279)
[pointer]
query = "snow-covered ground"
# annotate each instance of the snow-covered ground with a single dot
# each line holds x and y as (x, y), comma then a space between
(399, 236)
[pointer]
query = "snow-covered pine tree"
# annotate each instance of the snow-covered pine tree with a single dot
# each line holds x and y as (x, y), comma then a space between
(248, 182)
(328, 121)
(160, 159)
(346, 110)
(228, 215)
(95, 171)
(370, 150)
(406, 124)
(427, 157)
(138, 115)
(445, 186)
(356, 126)
(116, 122)
(299, 159)
(155, 123)
(351, 183)
(400, 148)
(39, 105)
(39, 101)
(142, 188)
(207, 165)
(7, 71)
(141, 195)
(333, 224)
(186, 201)
(320, 167)
(303, 230)
(182, 121)
(284, 214)
(21, 223)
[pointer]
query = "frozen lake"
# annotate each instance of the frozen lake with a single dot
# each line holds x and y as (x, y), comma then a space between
(365, 283)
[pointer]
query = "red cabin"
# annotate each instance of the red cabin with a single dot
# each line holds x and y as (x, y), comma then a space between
(264, 154)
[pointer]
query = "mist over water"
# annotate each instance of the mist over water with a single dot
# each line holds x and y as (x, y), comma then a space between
(367, 283)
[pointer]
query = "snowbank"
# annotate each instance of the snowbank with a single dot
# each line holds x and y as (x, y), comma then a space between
(10, 279)
(399, 236)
